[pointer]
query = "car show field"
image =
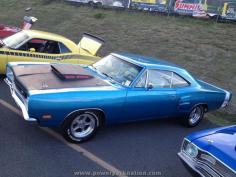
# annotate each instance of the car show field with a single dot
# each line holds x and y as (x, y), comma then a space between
(203, 47)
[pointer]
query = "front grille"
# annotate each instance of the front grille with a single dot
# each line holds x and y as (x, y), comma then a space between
(214, 164)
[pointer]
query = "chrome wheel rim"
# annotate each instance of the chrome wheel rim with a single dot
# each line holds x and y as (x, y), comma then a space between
(195, 115)
(83, 125)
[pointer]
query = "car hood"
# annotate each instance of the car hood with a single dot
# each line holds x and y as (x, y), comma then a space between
(42, 77)
(221, 143)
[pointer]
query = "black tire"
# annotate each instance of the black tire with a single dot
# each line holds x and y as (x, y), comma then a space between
(194, 117)
(70, 124)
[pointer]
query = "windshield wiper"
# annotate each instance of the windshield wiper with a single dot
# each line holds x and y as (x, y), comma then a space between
(107, 75)
(93, 67)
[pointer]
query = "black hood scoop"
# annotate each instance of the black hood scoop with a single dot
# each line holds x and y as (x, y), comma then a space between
(70, 73)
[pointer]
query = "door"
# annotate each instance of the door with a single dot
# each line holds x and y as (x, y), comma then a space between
(152, 96)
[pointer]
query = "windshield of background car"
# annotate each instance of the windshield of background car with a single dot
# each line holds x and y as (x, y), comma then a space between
(16, 40)
(118, 70)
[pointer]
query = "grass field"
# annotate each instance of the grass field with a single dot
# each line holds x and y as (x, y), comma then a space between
(205, 48)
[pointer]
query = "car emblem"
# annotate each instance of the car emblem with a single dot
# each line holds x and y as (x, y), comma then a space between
(44, 85)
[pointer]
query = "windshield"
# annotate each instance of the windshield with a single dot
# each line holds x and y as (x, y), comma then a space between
(118, 70)
(16, 40)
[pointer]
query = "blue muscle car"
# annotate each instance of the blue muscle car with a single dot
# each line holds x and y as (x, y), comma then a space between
(121, 87)
(211, 153)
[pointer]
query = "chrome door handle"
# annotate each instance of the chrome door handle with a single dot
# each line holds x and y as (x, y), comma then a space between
(58, 58)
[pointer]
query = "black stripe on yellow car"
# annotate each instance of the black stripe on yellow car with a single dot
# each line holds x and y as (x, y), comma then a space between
(62, 57)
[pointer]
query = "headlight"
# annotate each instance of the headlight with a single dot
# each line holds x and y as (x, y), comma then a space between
(191, 150)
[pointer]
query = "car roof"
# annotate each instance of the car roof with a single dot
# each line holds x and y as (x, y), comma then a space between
(50, 36)
(146, 61)
(152, 63)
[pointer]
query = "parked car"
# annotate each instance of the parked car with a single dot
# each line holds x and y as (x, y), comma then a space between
(119, 88)
(211, 153)
(7, 30)
(39, 46)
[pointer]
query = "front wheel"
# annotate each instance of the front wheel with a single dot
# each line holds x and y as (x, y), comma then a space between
(80, 127)
(195, 116)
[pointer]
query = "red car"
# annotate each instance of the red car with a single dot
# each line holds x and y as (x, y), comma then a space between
(6, 30)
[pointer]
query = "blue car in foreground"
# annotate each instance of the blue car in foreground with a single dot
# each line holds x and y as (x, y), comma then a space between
(119, 88)
(211, 153)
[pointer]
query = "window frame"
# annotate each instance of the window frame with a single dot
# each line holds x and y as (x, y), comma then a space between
(59, 45)
(189, 83)
(146, 71)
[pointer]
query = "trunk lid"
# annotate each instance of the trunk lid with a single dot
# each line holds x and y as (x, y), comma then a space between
(210, 87)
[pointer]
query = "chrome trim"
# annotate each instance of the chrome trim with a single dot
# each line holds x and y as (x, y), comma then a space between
(147, 76)
(19, 102)
(216, 159)
(189, 162)
(209, 154)
(226, 100)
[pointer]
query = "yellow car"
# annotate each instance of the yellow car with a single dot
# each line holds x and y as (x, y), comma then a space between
(39, 46)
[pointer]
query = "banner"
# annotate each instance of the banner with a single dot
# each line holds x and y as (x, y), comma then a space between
(188, 7)
(229, 11)
(218, 9)
(150, 5)
(221, 9)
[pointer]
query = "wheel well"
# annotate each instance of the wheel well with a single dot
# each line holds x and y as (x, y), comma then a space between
(99, 113)
(205, 106)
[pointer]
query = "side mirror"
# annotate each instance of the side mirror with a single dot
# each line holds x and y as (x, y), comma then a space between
(32, 50)
(149, 86)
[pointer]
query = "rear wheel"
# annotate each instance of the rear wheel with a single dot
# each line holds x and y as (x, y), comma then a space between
(80, 127)
(195, 116)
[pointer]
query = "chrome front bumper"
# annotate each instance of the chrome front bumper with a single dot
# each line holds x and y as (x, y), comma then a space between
(198, 167)
(18, 101)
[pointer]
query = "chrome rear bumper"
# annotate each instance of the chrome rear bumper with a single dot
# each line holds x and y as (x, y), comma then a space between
(19, 102)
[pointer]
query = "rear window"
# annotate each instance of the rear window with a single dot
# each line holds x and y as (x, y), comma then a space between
(63, 48)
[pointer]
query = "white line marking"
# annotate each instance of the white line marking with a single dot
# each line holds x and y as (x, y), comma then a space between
(76, 147)
(10, 107)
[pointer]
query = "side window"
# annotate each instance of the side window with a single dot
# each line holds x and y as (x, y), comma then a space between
(63, 48)
(37, 44)
(51, 47)
(178, 81)
(142, 81)
(41, 46)
(159, 79)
